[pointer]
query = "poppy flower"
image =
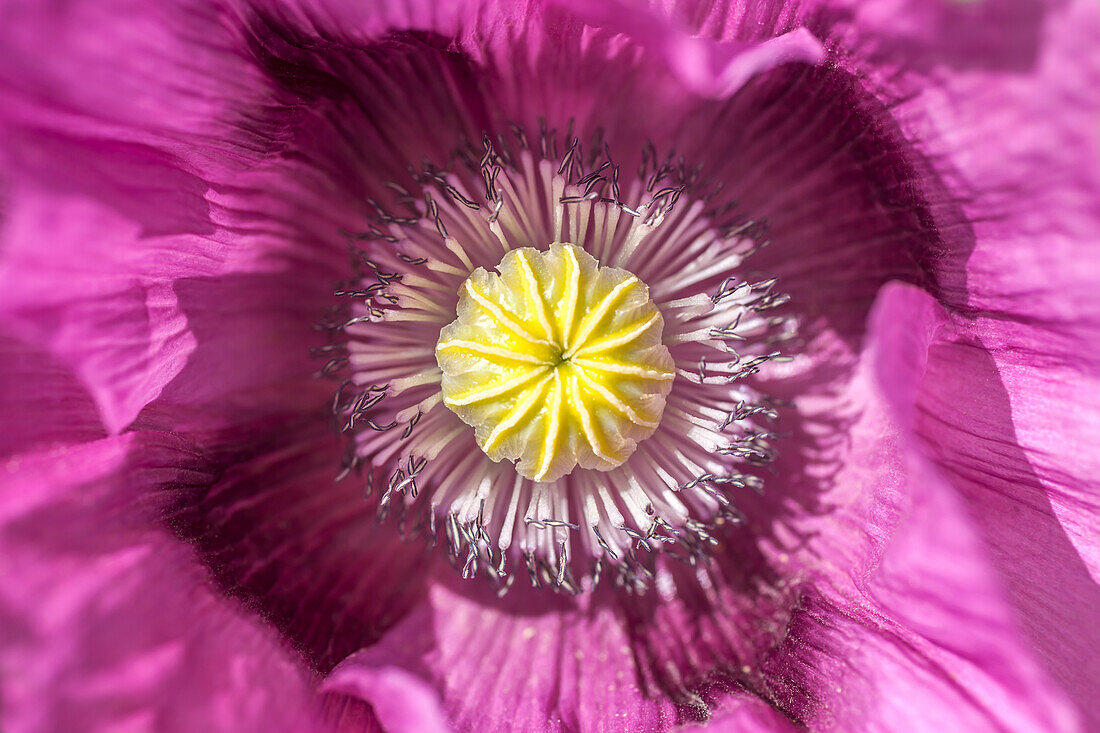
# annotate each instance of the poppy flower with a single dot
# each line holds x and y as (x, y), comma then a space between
(548, 365)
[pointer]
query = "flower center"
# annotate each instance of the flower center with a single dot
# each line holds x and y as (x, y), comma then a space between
(556, 362)
(587, 456)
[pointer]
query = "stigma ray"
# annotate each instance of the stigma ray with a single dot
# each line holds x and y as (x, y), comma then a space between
(572, 288)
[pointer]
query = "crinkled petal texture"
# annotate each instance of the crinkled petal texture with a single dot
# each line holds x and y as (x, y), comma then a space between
(110, 624)
(177, 186)
(1007, 406)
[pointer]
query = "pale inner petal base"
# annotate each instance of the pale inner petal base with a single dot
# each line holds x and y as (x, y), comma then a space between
(556, 362)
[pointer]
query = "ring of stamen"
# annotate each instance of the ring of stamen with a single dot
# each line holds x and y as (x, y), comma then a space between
(429, 467)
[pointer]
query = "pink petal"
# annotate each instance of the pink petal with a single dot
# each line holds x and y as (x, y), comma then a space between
(41, 402)
(746, 714)
(254, 333)
(992, 35)
(1015, 442)
(188, 83)
(403, 703)
(73, 282)
(278, 532)
(919, 627)
(706, 67)
(112, 625)
(1007, 406)
(516, 663)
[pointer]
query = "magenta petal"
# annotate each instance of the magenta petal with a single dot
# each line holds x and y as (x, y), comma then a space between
(253, 336)
(996, 34)
(41, 402)
(86, 252)
(890, 602)
(1008, 402)
(124, 346)
(709, 68)
(936, 586)
(110, 624)
(916, 626)
(746, 714)
(1015, 441)
(519, 662)
(905, 322)
(280, 534)
(128, 70)
(402, 702)
(355, 22)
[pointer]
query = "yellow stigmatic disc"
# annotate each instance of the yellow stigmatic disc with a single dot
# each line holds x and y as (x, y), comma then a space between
(556, 362)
